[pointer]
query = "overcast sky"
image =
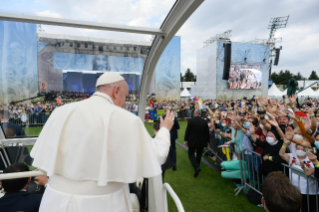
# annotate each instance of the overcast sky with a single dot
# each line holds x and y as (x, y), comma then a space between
(248, 19)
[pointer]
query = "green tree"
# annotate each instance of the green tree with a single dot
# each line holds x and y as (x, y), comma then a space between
(189, 76)
(313, 76)
(299, 76)
(274, 77)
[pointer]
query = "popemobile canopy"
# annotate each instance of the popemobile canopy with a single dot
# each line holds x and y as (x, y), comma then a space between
(273, 91)
(185, 93)
(307, 92)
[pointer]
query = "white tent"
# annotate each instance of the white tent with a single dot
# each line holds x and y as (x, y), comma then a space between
(185, 93)
(308, 92)
(285, 92)
(273, 91)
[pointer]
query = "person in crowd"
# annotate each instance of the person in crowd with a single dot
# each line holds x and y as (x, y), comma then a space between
(16, 197)
(298, 159)
(196, 138)
(271, 159)
(174, 136)
(4, 118)
(279, 194)
(168, 163)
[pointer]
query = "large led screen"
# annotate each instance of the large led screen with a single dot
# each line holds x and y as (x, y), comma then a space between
(18, 61)
(245, 76)
(70, 61)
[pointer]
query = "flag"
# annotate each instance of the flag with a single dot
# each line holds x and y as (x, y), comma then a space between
(195, 98)
(200, 104)
(151, 102)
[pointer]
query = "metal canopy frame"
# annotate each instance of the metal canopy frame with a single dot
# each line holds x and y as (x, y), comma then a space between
(181, 11)
(177, 16)
(79, 24)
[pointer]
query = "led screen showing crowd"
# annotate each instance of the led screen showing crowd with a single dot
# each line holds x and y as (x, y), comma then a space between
(245, 77)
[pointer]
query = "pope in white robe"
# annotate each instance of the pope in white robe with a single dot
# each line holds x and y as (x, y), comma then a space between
(92, 149)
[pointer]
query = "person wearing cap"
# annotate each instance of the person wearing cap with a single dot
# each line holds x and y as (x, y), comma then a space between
(93, 149)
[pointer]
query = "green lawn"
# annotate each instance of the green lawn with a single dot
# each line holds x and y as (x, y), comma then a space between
(208, 192)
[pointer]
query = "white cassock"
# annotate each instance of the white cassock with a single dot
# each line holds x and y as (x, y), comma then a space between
(91, 150)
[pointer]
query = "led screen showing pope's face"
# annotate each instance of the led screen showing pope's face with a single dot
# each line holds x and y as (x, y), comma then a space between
(100, 63)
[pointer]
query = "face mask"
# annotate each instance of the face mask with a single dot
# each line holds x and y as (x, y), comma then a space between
(266, 117)
(217, 122)
(247, 125)
(261, 126)
(208, 117)
(298, 136)
(271, 141)
(300, 153)
(223, 124)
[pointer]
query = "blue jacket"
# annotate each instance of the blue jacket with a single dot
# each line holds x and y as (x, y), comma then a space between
(20, 201)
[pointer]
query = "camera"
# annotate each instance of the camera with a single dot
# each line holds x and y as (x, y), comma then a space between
(310, 149)
(261, 112)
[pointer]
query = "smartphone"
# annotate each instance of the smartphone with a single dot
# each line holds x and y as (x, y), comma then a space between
(310, 149)
(301, 114)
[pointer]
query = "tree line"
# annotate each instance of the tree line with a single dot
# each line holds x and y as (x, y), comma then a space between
(282, 77)
(189, 76)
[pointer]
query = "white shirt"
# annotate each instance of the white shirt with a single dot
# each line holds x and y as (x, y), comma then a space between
(298, 181)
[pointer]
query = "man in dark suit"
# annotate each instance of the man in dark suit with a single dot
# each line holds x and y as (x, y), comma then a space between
(196, 138)
(174, 136)
(16, 197)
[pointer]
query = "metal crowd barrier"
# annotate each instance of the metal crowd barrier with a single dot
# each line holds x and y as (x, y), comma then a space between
(252, 162)
(182, 114)
(312, 199)
(27, 120)
(216, 140)
(254, 179)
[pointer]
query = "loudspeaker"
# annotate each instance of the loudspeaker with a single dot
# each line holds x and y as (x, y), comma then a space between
(277, 57)
(227, 59)
(49, 97)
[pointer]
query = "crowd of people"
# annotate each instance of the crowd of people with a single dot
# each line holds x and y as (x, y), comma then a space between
(281, 131)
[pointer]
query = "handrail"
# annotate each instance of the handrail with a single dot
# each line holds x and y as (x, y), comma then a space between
(178, 203)
(16, 175)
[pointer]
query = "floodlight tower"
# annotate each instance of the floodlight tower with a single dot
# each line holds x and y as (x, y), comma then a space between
(275, 23)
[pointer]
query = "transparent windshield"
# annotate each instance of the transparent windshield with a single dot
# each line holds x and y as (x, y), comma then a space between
(44, 67)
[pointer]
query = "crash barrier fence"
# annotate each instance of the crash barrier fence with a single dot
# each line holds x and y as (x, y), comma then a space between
(29, 119)
(252, 178)
(221, 153)
(308, 186)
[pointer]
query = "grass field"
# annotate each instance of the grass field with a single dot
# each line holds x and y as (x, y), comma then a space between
(208, 192)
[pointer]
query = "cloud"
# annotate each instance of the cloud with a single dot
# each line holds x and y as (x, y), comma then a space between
(47, 13)
(247, 19)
